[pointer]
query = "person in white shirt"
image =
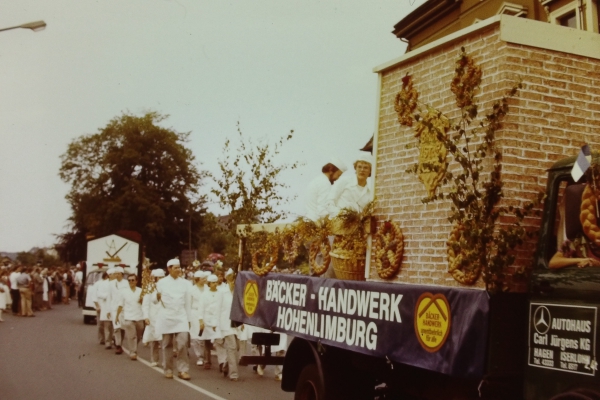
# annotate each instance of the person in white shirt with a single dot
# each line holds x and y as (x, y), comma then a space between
(45, 290)
(317, 192)
(210, 313)
(227, 345)
(116, 286)
(197, 293)
(78, 280)
(14, 290)
(173, 320)
(91, 293)
(103, 304)
(133, 318)
(150, 311)
(352, 191)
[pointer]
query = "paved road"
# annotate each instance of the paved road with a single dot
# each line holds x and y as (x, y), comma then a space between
(56, 356)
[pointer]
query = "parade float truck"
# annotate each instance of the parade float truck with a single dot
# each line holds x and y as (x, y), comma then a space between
(121, 249)
(437, 327)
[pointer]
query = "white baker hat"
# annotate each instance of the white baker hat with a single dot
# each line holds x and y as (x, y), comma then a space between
(173, 261)
(159, 273)
(110, 271)
(366, 157)
(118, 270)
(212, 278)
(199, 274)
(338, 163)
(229, 272)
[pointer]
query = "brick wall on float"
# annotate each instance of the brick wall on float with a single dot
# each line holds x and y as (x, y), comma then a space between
(557, 111)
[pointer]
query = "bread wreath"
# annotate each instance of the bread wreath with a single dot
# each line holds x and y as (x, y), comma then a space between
(271, 250)
(320, 246)
(389, 244)
(587, 215)
(466, 277)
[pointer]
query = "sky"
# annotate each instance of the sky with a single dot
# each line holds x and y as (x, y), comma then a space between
(271, 65)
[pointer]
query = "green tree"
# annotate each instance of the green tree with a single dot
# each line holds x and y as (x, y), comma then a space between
(35, 255)
(133, 175)
(249, 185)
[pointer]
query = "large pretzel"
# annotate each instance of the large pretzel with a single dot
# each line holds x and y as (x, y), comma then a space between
(270, 252)
(390, 248)
(320, 246)
(587, 215)
(466, 277)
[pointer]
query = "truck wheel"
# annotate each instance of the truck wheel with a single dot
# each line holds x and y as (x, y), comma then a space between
(578, 394)
(310, 384)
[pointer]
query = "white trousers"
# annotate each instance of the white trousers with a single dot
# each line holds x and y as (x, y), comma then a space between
(175, 343)
(227, 353)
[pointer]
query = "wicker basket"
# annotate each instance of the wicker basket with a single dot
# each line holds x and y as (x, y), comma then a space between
(348, 268)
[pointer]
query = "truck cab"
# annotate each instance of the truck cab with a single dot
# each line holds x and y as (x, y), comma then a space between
(563, 302)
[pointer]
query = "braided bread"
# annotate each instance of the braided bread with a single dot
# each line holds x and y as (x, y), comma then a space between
(324, 248)
(266, 266)
(587, 215)
(465, 276)
(389, 244)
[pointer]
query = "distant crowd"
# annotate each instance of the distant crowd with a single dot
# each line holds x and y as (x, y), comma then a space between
(25, 290)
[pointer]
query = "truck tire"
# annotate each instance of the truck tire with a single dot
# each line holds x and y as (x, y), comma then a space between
(310, 384)
(578, 394)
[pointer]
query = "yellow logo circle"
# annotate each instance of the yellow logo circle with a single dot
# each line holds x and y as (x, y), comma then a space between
(251, 297)
(432, 321)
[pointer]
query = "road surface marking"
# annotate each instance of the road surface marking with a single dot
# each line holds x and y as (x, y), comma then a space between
(186, 383)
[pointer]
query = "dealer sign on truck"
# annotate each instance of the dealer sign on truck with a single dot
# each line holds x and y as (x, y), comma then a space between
(563, 337)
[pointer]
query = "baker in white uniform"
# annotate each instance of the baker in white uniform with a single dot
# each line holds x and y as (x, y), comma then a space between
(210, 313)
(103, 301)
(116, 286)
(227, 345)
(150, 311)
(133, 318)
(317, 191)
(197, 293)
(352, 190)
(173, 320)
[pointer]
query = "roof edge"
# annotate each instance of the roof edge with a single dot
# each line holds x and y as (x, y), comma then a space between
(541, 35)
(453, 37)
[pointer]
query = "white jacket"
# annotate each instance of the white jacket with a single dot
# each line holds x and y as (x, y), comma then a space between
(196, 297)
(175, 315)
(210, 313)
(103, 298)
(150, 312)
(224, 321)
(317, 194)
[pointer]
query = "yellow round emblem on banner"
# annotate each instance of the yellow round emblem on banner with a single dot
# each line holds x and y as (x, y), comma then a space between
(251, 297)
(432, 321)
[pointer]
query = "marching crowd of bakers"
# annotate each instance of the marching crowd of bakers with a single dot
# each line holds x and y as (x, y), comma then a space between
(172, 316)
(25, 290)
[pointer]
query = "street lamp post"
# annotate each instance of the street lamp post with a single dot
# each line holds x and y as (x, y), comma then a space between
(34, 26)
